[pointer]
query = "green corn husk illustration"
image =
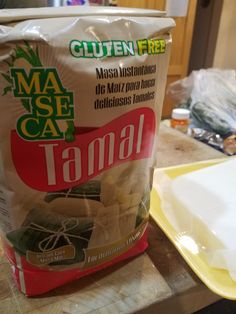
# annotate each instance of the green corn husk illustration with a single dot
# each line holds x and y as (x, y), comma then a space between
(8, 78)
(29, 54)
(89, 190)
(41, 230)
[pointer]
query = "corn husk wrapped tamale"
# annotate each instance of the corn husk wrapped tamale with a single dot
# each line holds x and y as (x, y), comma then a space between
(89, 190)
(43, 231)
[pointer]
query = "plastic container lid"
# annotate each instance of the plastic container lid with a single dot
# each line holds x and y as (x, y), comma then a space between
(180, 114)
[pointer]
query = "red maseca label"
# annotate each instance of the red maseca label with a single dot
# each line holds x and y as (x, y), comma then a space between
(58, 165)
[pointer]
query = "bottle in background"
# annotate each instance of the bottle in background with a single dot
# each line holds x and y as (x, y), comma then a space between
(180, 119)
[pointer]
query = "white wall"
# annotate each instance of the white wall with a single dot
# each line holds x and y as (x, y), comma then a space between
(225, 52)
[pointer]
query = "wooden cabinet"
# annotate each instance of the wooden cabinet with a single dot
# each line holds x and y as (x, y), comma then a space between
(182, 39)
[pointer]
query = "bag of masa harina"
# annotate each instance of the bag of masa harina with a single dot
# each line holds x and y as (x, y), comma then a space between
(81, 97)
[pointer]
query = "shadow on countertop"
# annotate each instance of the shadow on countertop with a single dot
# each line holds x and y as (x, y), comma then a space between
(221, 307)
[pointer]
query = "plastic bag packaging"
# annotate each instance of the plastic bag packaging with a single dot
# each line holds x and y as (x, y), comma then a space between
(81, 99)
(200, 206)
(211, 97)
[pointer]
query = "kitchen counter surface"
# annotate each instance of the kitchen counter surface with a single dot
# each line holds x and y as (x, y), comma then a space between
(158, 281)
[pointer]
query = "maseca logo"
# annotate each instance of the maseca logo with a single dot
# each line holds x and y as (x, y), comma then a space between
(48, 101)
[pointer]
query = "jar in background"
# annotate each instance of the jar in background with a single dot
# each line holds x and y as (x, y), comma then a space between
(180, 119)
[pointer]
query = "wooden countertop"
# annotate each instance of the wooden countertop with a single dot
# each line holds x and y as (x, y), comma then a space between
(158, 281)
